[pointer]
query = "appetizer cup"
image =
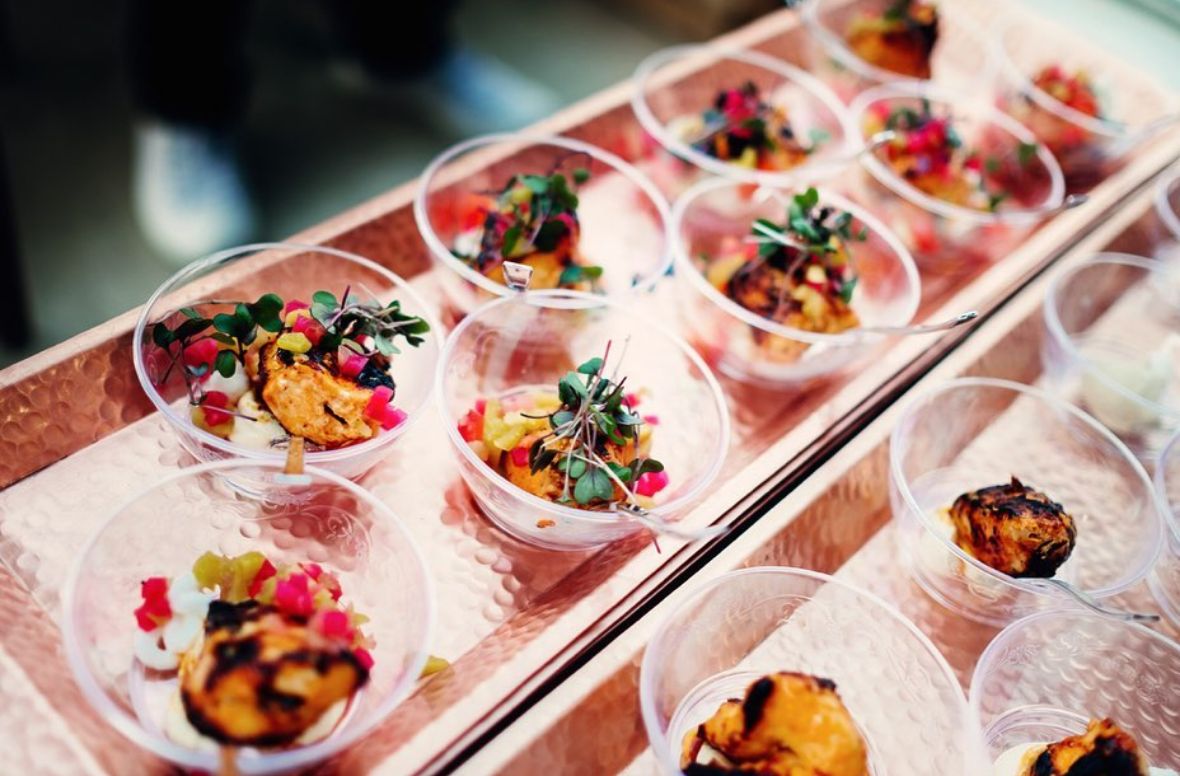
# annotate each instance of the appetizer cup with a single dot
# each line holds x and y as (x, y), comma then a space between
(1044, 677)
(676, 85)
(621, 214)
(945, 235)
(749, 623)
(294, 272)
(1088, 147)
(716, 211)
(530, 341)
(973, 433)
(316, 517)
(1113, 346)
(960, 59)
(1165, 576)
(1167, 207)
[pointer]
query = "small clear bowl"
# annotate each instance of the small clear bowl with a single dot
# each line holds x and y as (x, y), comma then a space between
(942, 235)
(530, 341)
(976, 432)
(1167, 208)
(1165, 576)
(683, 81)
(1113, 345)
(830, 58)
(623, 216)
(1088, 148)
(293, 272)
(161, 531)
(713, 210)
(901, 693)
(1045, 677)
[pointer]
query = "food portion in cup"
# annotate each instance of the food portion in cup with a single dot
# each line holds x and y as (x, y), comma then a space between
(239, 652)
(1104, 748)
(257, 373)
(532, 220)
(1013, 529)
(744, 128)
(1077, 148)
(927, 152)
(582, 443)
(786, 722)
(900, 38)
(799, 273)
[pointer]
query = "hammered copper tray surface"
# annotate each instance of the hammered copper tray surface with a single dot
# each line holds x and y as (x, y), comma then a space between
(77, 439)
(838, 521)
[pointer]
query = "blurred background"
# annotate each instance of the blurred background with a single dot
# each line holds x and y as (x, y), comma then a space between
(137, 135)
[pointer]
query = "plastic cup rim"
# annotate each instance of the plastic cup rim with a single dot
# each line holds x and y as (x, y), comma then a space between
(1154, 529)
(568, 299)
(325, 457)
(159, 744)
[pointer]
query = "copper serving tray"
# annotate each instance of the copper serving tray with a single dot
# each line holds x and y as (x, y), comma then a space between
(514, 620)
(837, 521)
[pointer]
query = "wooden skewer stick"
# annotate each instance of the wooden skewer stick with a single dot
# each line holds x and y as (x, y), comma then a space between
(294, 464)
(228, 765)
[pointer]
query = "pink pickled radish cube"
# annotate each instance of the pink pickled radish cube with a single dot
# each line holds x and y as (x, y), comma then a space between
(353, 366)
(520, 456)
(393, 417)
(378, 401)
(651, 483)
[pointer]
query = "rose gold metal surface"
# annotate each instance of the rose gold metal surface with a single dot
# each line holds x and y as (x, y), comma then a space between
(837, 521)
(76, 436)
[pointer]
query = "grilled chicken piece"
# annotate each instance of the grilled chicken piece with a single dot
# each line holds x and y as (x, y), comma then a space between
(311, 402)
(548, 483)
(788, 724)
(262, 678)
(1104, 749)
(547, 268)
(771, 292)
(902, 41)
(1014, 529)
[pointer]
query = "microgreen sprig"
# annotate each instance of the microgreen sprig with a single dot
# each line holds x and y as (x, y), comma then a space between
(593, 414)
(347, 323)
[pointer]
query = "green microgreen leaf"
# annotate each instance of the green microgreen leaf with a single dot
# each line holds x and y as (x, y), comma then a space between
(162, 335)
(591, 367)
(581, 175)
(225, 363)
(1025, 153)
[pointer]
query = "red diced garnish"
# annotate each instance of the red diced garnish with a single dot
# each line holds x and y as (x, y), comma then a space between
(144, 620)
(334, 624)
(212, 404)
(631, 399)
(471, 427)
(353, 365)
(520, 456)
(292, 596)
(651, 483)
(154, 587)
(364, 657)
(309, 328)
(651, 420)
(481, 406)
(201, 353)
(294, 305)
(265, 572)
(313, 570)
(378, 401)
(393, 417)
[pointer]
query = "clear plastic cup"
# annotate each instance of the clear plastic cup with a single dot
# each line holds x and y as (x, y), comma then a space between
(961, 59)
(1167, 208)
(1045, 677)
(161, 531)
(529, 341)
(1165, 576)
(681, 82)
(293, 272)
(943, 235)
(887, 293)
(1113, 346)
(976, 432)
(1088, 148)
(901, 693)
(622, 214)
